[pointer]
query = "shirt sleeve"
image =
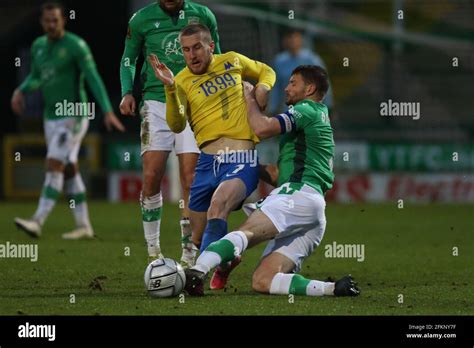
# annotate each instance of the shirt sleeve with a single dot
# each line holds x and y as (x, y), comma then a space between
(176, 108)
(291, 120)
(256, 70)
(133, 45)
(87, 65)
(212, 25)
(33, 80)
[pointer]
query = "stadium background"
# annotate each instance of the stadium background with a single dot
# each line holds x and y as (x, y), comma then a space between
(379, 160)
(371, 57)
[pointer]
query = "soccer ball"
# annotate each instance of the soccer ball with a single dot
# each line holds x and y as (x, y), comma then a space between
(164, 278)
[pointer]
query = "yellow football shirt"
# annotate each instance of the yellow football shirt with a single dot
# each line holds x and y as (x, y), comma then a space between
(213, 103)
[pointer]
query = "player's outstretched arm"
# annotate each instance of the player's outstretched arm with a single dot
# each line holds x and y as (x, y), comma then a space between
(175, 102)
(263, 126)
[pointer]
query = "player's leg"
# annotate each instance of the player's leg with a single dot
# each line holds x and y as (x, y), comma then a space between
(75, 189)
(151, 201)
(187, 151)
(227, 197)
(301, 221)
(57, 136)
(156, 143)
(256, 229)
(274, 275)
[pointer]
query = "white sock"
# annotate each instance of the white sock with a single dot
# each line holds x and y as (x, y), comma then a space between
(151, 216)
(76, 191)
(286, 283)
(52, 188)
(220, 251)
(189, 252)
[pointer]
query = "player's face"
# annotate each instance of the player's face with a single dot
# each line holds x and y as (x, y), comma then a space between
(53, 23)
(197, 53)
(296, 90)
(171, 5)
(294, 42)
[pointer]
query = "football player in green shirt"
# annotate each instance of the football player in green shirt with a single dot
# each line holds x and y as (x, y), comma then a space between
(154, 30)
(292, 217)
(60, 61)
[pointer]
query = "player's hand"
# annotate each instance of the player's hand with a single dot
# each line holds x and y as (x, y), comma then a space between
(249, 90)
(162, 72)
(111, 121)
(261, 95)
(18, 102)
(128, 105)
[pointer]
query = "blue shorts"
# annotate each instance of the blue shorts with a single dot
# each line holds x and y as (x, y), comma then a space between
(211, 170)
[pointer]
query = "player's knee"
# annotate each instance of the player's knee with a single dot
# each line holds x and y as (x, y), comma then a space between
(217, 208)
(54, 165)
(151, 182)
(261, 282)
(70, 171)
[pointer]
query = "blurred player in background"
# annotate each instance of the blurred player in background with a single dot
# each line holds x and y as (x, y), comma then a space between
(208, 93)
(295, 54)
(60, 61)
(155, 29)
(292, 217)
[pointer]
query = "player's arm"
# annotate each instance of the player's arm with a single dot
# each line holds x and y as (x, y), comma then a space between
(87, 66)
(31, 83)
(133, 46)
(176, 103)
(262, 125)
(262, 73)
(212, 25)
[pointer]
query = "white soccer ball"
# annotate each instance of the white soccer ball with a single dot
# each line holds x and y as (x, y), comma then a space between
(164, 278)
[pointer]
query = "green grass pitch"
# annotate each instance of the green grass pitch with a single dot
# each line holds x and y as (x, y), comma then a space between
(408, 252)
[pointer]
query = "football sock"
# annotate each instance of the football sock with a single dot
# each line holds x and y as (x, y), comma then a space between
(52, 188)
(76, 191)
(186, 243)
(223, 250)
(284, 284)
(215, 230)
(151, 216)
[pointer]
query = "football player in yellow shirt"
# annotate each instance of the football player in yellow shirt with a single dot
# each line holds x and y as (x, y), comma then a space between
(208, 93)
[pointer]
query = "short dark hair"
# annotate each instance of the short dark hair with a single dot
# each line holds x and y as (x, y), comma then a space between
(292, 31)
(314, 74)
(53, 5)
(195, 28)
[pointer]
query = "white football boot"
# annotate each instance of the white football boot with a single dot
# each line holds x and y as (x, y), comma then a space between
(154, 254)
(29, 226)
(79, 233)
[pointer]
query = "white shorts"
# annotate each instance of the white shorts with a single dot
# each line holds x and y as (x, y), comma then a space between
(156, 135)
(64, 137)
(300, 220)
